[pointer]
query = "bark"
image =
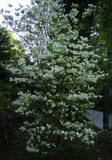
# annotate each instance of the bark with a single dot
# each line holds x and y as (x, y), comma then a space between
(106, 110)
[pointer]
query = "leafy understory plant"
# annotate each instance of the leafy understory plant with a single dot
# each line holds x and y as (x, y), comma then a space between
(60, 78)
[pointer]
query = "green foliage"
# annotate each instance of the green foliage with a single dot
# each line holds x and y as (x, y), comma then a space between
(10, 52)
(103, 37)
(102, 44)
(104, 20)
(60, 79)
(10, 49)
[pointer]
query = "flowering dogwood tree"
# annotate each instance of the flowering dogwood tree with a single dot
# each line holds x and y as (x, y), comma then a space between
(60, 80)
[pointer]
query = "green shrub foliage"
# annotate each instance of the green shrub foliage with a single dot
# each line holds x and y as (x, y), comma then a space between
(60, 80)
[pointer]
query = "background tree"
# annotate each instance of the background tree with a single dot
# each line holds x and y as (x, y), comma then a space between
(10, 53)
(103, 47)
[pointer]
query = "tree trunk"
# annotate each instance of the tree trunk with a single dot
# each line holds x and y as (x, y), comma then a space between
(106, 109)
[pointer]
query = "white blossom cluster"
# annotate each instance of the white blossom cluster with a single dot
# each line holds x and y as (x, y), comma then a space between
(60, 86)
(91, 8)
